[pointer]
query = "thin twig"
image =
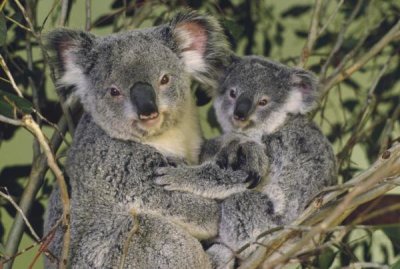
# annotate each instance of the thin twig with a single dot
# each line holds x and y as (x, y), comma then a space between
(7, 196)
(128, 240)
(18, 24)
(312, 35)
(10, 77)
(340, 39)
(364, 114)
(331, 18)
(389, 37)
(26, 17)
(64, 12)
(88, 15)
(10, 121)
(32, 84)
(2, 4)
(44, 242)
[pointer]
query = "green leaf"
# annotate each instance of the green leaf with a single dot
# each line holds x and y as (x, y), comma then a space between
(326, 259)
(3, 30)
(6, 109)
(21, 103)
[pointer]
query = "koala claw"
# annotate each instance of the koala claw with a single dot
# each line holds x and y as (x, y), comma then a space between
(161, 171)
(254, 178)
(170, 178)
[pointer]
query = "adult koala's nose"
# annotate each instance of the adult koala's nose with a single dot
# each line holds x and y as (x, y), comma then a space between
(242, 108)
(143, 97)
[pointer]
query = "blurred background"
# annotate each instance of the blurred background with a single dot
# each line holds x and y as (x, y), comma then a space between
(354, 51)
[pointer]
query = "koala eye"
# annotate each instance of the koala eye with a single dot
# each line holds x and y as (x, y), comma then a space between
(263, 102)
(232, 94)
(114, 92)
(164, 80)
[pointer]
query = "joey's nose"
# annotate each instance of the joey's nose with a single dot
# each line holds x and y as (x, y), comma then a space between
(143, 97)
(242, 108)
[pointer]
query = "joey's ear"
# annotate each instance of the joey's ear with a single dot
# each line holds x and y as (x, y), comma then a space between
(202, 46)
(305, 83)
(70, 54)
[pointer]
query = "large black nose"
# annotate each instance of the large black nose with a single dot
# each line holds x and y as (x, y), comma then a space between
(144, 99)
(242, 108)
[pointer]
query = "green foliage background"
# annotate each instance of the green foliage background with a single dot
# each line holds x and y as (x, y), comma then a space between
(359, 118)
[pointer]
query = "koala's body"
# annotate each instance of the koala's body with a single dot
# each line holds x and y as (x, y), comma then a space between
(261, 106)
(139, 116)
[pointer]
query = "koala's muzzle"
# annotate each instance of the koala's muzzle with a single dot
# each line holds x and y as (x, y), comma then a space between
(143, 97)
(242, 108)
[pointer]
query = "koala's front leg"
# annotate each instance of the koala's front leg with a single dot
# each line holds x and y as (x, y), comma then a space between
(199, 216)
(206, 180)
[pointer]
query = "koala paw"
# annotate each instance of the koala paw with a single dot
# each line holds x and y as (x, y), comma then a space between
(248, 156)
(171, 178)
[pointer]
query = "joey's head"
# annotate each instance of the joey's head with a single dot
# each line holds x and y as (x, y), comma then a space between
(257, 95)
(136, 84)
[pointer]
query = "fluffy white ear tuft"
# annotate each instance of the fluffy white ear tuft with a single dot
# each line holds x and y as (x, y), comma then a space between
(73, 75)
(192, 40)
(304, 92)
(68, 48)
(202, 46)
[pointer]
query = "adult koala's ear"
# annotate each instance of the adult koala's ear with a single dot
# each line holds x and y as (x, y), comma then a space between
(305, 84)
(70, 54)
(202, 46)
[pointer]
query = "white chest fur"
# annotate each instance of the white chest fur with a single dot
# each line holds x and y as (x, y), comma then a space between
(183, 140)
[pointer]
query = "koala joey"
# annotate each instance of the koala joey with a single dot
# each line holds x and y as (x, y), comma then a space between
(261, 106)
(139, 116)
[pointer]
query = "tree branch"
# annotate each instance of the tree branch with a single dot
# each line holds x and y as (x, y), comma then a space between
(31, 125)
(7, 196)
(10, 77)
(378, 47)
(312, 35)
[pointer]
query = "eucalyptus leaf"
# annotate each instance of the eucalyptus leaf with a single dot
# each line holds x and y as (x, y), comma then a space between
(6, 109)
(21, 103)
(326, 259)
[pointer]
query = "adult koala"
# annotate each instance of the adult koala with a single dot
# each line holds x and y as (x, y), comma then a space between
(139, 116)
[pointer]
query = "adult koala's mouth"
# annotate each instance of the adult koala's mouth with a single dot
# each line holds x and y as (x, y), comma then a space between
(151, 126)
(152, 121)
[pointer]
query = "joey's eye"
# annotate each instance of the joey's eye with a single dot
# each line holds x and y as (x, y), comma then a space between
(263, 102)
(232, 94)
(114, 92)
(164, 80)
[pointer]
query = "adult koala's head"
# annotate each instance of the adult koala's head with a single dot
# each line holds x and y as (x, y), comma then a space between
(259, 94)
(136, 84)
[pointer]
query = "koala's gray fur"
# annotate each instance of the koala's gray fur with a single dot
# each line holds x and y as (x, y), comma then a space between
(274, 139)
(134, 123)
